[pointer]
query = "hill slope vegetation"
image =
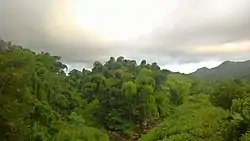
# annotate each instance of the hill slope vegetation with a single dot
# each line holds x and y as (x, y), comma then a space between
(225, 70)
(119, 100)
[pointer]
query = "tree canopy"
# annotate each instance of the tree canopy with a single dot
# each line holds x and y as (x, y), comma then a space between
(42, 100)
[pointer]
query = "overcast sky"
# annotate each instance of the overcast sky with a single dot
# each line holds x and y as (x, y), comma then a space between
(179, 35)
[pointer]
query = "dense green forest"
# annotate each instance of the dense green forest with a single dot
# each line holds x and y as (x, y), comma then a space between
(119, 100)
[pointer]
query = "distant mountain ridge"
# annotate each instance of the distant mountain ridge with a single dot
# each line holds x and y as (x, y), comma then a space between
(225, 70)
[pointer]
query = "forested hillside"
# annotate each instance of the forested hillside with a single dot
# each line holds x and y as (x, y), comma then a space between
(118, 100)
(226, 70)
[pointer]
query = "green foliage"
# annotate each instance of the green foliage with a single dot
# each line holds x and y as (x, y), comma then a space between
(195, 120)
(225, 92)
(118, 100)
(78, 133)
(129, 89)
(245, 137)
(38, 100)
(179, 88)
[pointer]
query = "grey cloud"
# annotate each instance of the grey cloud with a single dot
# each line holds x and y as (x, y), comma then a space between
(198, 30)
(24, 22)
(194, 23)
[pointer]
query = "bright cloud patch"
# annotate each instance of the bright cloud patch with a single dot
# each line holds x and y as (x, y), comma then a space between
(184, 33)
